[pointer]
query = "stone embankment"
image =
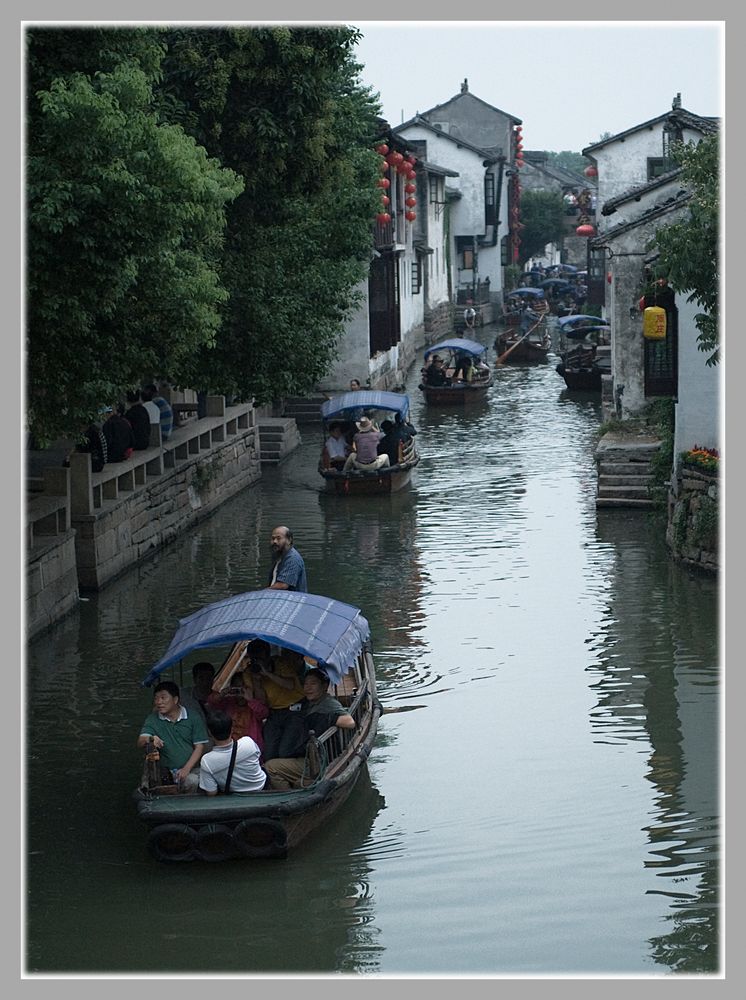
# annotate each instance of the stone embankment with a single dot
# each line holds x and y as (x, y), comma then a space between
(693, 518)
(86, 528)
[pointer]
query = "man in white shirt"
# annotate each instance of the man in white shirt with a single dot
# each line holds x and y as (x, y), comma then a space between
(246, 776)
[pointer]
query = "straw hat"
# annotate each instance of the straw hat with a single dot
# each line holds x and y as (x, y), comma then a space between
(365, 424)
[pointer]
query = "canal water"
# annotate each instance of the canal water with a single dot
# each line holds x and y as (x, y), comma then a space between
(543, 802)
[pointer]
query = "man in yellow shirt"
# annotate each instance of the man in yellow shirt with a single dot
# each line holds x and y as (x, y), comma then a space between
(281, 678)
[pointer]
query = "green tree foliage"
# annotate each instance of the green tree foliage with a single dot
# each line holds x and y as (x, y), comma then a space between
(283, 108)
(689, 249)
(543, 221)
(568, 160)
(125, 223)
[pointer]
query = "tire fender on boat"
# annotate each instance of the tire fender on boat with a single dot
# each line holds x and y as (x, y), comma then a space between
(261, 838)
(215, 842)
(172, 842)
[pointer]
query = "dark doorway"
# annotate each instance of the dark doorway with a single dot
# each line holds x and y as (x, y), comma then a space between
(383, 303)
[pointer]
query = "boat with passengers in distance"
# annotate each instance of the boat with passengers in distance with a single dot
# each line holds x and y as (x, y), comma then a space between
(528, 342)
(456, 374)
(584, 351)
(330, 635)
(345, 411)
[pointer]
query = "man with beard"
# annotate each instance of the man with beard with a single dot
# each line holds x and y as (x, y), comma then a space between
(288, 569)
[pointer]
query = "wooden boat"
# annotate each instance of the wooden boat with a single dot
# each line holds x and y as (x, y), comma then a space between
(530, 342)
(517, 300)
(582, 364)
(335, 636)
(348, 407)
(457, 391)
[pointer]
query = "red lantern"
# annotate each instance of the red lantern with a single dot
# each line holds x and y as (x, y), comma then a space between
(410, 188)
(402, 168)
(384, 182)
(608, 277)
(410, 202)
(412, 159)
(397, 157)
(382, 149)
(383, 166)
(411, 175)
(385, 200)
(585, 230)
(382, 218)
(410, 216)
(591, 171)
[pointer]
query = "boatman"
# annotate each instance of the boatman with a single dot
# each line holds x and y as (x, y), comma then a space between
(288, 569)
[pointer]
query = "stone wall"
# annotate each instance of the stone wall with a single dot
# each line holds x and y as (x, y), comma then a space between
(51, 582)
(130, 509)
(693, 518)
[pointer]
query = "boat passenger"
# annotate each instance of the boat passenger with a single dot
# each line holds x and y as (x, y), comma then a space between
(288, 570)
(246, 775)
(403, 429)
(364, 455)
(317, 712)
(281, 678)
(245, 704)
(463, 368)
(389, 443)
(336, 448)
(435, 373)
(203, 674)
(179, 736)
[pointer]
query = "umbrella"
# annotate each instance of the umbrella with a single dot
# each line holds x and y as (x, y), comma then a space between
(554, 281)
(568, 267)
(535, 293)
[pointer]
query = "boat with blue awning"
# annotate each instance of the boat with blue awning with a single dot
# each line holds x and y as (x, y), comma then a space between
(455, 373)
(331, 635)
(345, 411)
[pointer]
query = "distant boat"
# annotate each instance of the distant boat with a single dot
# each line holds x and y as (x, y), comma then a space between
(263, 824)
(582, 365)
(350, 406)
(530, 342)
(454, 387)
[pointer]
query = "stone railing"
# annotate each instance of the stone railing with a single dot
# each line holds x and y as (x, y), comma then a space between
(91, 490)
(51, 573)
(48, 506)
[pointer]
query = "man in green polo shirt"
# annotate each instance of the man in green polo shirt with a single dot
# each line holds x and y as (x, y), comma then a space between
(180, 736)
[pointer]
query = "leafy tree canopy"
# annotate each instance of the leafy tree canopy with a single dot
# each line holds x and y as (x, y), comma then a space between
(568, 160)
(543, 221)
(125, 223)
(689, 249)
(282, 107)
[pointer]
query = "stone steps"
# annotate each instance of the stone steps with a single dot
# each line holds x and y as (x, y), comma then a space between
(278, 436)
(304, 409)
(625, 472)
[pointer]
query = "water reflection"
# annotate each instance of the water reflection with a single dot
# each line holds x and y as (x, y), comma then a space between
(658, 685)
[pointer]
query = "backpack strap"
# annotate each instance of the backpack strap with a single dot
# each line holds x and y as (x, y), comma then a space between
(227, 789)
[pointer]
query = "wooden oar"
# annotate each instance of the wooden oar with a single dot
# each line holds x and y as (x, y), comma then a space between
(503, 356)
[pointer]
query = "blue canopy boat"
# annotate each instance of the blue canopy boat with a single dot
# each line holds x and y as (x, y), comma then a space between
(335, 637)
(348, 408)
(582, 365)
(467, 378)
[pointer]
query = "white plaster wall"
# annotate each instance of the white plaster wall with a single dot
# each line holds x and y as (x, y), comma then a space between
(623, 164)
(698, 406)
(353, 349)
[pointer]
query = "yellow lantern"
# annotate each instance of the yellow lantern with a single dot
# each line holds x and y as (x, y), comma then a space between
(654, 323)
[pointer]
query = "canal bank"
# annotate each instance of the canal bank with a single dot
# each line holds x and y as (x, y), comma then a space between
(549, 805)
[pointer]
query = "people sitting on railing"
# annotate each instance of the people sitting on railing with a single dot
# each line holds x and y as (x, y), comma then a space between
(139, 419)
(120, 438)
(317, 712)
(165, 417)
(364, 455)
(94, 442)
(335, 449)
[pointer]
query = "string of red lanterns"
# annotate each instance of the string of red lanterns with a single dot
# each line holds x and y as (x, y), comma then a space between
(404, 164)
